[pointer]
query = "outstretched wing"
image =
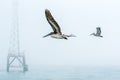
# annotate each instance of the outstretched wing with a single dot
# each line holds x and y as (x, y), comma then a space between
(52, 22)
(98, 31)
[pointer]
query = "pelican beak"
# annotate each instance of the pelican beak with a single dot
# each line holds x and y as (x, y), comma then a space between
(72, 35)
(91, 34)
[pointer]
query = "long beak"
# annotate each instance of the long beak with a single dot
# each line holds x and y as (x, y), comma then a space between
(91, 34)
(73, 35)
(48, 35)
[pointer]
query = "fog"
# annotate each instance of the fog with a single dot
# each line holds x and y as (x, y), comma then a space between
(79, 17)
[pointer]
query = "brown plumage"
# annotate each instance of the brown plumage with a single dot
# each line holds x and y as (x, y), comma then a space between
(56, 28)
(52, 22)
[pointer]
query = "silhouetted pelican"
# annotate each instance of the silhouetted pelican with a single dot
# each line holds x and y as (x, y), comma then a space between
(98, 32)
(56, 28)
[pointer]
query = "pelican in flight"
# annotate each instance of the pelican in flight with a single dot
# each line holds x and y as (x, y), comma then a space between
(98, 32)
(56, 28)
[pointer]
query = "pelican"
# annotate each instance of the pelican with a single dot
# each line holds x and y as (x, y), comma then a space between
(98, 32)
(56, 28)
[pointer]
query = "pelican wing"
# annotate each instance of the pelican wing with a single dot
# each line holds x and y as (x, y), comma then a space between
(52, 22)
(98, 31)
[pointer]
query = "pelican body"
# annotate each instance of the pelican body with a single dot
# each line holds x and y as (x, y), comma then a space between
(98, 32)
(56, 28)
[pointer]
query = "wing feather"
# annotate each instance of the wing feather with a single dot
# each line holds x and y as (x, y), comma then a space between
(98, 30)
(52, 22)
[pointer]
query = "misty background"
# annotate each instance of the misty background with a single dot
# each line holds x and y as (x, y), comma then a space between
(74, 16)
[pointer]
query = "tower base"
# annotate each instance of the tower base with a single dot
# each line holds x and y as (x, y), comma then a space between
(21, 60)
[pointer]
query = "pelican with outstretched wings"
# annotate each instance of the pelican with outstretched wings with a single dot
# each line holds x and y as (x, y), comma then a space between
(56, 28)
(98, 32)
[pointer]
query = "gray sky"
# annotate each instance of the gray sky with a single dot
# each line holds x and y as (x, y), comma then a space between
(79, 17)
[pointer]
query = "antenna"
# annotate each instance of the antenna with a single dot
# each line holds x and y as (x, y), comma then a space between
(14, 49)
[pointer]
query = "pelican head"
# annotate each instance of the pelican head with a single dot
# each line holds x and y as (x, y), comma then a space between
(71, 35)
(93, 34)
(66, 36)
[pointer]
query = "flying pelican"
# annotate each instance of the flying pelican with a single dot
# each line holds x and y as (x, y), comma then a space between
(56, 28)
(98, 32)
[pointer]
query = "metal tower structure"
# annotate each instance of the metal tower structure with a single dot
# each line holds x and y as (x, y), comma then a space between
(15, 58)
